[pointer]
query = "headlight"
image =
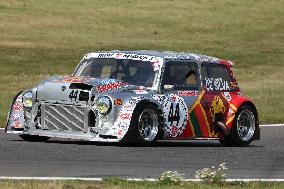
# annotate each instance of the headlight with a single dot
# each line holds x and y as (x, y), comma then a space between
(28, 99)
(103, 105)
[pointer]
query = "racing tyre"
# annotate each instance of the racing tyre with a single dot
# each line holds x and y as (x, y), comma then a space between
(244, 127)
(145, 125)
(34, 138)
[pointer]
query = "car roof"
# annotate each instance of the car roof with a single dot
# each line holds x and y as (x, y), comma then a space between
(170, 55)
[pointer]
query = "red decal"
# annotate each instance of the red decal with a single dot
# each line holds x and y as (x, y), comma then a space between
(125, 116)
(110, 86)
(118, 102)
(118, 55)
(187, 93)
(119, 132)
(17, 107)
(174, 130)
(16, 125)
(174, 98)
(156, 64)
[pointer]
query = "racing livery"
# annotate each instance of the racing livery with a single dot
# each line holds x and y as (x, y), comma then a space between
(138, 96)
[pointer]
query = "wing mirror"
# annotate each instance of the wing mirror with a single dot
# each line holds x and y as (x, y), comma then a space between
(168, 87)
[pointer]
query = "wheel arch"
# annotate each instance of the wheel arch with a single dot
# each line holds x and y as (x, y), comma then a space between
(235, 106)
(159, 108)
(7, 127)
(149, 101)
(129, 108)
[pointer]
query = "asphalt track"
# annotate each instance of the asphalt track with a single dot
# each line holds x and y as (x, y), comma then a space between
(263, 159)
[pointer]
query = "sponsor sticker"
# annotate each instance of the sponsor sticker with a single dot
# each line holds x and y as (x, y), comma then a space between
(17, 107)
(175, 112)
(16, 125)
(16, 117)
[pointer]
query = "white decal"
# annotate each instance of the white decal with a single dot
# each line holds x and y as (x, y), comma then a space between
(16, 117)
(140, 91)
(124, 118)
(217, 84)
(175, 112)
(156, 61)
(227, 96)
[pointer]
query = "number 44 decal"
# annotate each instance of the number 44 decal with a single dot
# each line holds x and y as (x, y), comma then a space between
(174, 115)
(73, 95)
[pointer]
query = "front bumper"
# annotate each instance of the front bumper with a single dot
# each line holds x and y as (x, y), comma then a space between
(68, 135)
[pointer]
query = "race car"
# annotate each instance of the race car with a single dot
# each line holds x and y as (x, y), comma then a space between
(138, 96)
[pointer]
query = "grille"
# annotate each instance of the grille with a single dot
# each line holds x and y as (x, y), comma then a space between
(64, 117)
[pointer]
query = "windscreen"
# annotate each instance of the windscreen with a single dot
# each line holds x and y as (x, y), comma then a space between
(134, 72)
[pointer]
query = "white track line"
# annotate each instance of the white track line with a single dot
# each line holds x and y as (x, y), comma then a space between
(128, 179)
(272, 125)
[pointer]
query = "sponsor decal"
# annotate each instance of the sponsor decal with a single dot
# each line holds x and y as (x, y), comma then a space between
(105, 55)
(159, 98)
(119, 132)
(227, 96)
(123, 121)
(16, 125)
(216, 84)
(156, 65)
(19, 98)
(117, 102)
(140, 91)
(17, 107)
(175, 112)
(156, 61)
(75, 79)
(217, 106)
(125, 116)
(122, 128)
(110, 86)
(16, 117)
(107, 81)
(187, 93)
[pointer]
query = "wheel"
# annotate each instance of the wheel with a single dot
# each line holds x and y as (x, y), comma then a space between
(243, 129)
(34, 138)
(145, 125)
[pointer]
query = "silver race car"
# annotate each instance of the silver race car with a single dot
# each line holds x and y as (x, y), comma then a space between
(138, 96)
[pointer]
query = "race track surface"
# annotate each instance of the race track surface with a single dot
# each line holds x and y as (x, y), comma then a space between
(65, 158)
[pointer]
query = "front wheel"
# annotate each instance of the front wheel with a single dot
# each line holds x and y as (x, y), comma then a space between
(34, 138)
(145, 125)
(244, 127)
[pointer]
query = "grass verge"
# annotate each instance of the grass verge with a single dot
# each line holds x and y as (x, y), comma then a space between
(115, 183)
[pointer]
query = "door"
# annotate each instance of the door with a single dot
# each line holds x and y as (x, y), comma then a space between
(216, 80)
(181, 85)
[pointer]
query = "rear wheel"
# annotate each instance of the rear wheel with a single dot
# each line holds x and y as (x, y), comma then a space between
(244, 127)
(145, 126)
(34, 138)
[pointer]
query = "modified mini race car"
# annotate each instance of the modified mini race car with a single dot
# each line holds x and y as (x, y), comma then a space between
(138, 96)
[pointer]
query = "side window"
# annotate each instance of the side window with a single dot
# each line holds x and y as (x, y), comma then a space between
(183, 75)
(215, 77)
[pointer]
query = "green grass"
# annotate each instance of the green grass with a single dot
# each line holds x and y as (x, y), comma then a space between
(122, 184)
(41, 38)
